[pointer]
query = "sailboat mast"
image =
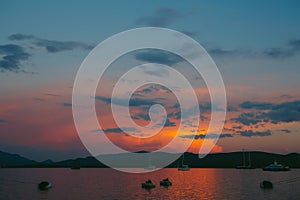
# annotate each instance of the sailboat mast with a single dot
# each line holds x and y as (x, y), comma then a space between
(249, 159)
(244, 158)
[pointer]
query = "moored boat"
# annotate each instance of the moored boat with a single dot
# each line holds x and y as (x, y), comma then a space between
(148, 184)
(183, 167)
(276, 167)
(266, 184)
(165, 182)
(244, 166)
(44, 185)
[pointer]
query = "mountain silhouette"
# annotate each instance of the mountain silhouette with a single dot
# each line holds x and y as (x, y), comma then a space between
(214, 160)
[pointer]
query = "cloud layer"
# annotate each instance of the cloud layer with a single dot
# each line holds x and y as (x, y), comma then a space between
(161, 18)
(12, 56)
(269, 112)
(52, 46)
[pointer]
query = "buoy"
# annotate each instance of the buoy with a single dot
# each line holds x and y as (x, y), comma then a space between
(44, 185)
(266, 184)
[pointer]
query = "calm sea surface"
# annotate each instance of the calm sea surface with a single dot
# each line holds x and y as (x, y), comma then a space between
(110, 184)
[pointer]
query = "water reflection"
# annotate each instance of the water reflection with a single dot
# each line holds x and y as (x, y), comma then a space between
(111, 184)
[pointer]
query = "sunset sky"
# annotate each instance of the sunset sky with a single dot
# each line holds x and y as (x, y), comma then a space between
(255, 44)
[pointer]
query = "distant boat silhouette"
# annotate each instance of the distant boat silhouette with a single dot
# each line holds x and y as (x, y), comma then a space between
(44, 185)
(266, 184)
(150, 167)
(244, 166)
(75, 167)
(148, 184)
(276, 167)
(183, 167)
(165, 182)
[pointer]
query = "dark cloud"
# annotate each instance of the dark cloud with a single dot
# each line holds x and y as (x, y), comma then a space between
(142, 116)
(119, 130)
(247, 119)
(57, 46)
(295, 44)
(190, 33)
(175, 115)
(273, 113)
(11, 57)
(158, 56)
(209, 136)
(291, 48)
(52, 46)
(134, 102)
(292, 105)
(3, 121)
(278, 52)
(162, 17)
(160, 72)
(176, 105)
(168, 123)
(152, 88)
(237, 127)
(283, 112)
(205, 107)
(52, 95)
(103, 99)
(225, 52)
(250, 133)
(231, 108)
(286, 96)
(20, 36)
(256, 105)
(67, 104)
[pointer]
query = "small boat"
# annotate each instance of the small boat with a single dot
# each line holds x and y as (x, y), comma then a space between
(44, 185)
(75, 167)
(183, 167)
(266, 184)
(150, 167)
(276, 167)
(148, 184)
(165, 182)
(244, 166)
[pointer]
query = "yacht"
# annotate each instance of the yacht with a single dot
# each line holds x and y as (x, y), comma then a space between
(276, 167)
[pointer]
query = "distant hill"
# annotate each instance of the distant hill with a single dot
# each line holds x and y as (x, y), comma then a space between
(80, 162)
(215, 160)
(13, 160)
(231, 160)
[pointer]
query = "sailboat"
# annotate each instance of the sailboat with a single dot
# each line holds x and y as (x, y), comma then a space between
(244, 166)
(150, 166)
(183, 167)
